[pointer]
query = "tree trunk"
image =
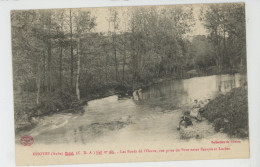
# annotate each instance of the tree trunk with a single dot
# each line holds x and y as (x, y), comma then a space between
(124, 64)
(38, 89)
(78, 70)
(71, 54)
(44, 71)
(106, 66)
(61, 52)
(116, 62)
(38, 78)
(49, 55)
(114, 45)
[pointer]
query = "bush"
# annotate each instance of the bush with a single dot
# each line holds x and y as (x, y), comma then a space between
(55, 101)
(229, 112)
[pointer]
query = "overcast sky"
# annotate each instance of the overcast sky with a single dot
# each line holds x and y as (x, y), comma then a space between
(103, 25)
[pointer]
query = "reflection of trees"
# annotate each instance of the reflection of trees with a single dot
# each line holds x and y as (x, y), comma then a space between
(227, 82)
(173, 94)
(168, 95)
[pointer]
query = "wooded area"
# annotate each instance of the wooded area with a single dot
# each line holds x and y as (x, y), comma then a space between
(59, 58)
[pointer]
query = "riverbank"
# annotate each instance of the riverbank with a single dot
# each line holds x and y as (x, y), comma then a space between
(64, 102)
(155, 116)
(229, 113)
(27, 111)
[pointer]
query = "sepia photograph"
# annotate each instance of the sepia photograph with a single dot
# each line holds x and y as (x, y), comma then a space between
(129, 84)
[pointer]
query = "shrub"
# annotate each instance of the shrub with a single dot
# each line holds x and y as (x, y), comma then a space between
(229, 112)
(55, 101)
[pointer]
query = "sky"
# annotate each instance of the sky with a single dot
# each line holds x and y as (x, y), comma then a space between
(102, 15)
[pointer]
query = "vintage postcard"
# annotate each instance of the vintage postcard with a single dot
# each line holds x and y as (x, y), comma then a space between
(130, 84)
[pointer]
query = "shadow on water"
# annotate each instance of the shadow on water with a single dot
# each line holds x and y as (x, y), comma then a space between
(167, 95)
(155, 115)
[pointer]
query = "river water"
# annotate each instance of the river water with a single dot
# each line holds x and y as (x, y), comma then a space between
(153, 117)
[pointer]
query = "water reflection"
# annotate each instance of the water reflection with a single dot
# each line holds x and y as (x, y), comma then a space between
(227, 82)
(176, 93)
(153, 116)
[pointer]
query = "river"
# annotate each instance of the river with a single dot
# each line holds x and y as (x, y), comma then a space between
(153, 117)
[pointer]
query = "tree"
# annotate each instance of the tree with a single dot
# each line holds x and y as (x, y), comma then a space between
(157, 41)
(226, 26)
(71, 49)
(85, 23)
(114, 23)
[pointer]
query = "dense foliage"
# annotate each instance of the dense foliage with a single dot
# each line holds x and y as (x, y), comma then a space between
(59, 58)
(229, 112)
(227, 33)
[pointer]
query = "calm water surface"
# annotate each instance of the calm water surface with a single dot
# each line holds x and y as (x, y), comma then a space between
(153, 117)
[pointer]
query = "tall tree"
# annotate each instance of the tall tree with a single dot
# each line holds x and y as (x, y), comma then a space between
(71, 49)
(226, 26)
(114, 23)
(84, 24)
